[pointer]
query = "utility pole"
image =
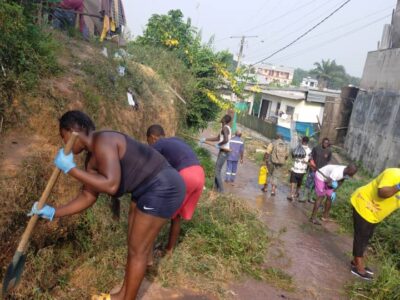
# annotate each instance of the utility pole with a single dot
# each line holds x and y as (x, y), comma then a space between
(242, 40)
(240, 55)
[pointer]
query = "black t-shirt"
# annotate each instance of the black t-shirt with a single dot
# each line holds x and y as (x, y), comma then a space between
(177, 152)
(139, 164)
(321, 156)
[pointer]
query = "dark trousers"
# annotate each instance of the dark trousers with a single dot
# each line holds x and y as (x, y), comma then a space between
(221, 159)
(363, 231)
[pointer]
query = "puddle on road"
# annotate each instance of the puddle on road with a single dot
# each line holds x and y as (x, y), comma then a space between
(314, 256)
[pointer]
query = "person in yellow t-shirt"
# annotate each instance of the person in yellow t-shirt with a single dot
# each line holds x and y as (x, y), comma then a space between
(372, 203)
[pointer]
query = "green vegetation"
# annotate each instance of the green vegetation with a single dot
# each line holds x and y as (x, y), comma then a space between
(385, 244)
(209, 69)
(329, 74)
(27, 53)
(222, 243)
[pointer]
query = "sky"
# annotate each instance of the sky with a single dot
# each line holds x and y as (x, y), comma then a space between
(347, 36)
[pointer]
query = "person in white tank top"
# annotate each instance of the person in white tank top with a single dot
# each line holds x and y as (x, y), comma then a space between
(223, 140)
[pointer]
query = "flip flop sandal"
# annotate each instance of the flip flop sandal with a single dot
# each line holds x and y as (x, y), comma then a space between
(102, 296)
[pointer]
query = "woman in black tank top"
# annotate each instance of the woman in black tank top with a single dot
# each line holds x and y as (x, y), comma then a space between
(117, 164)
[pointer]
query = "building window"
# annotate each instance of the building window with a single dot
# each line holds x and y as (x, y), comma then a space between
(290, 110)
(278, 108)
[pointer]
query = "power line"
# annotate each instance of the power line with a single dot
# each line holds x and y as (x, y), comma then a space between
(280, 16)
(258, 11)
(295, 54)
(335, 28)
(304, 34)
(255, 53)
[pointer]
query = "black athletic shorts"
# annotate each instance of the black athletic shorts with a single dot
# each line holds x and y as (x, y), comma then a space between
(296, 178)
(163, 195)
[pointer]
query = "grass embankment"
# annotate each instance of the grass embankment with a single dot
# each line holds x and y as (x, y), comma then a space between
(383, 253)
(224, 242)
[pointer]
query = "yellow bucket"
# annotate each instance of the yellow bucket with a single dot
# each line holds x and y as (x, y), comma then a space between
(262, 176)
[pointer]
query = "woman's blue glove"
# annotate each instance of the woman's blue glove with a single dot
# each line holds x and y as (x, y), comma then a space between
(202, 140)
(334, 184)
(64, 162)
(333, 196)
(46, 212)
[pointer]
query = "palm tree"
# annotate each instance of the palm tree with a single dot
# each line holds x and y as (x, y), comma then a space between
(327, 72)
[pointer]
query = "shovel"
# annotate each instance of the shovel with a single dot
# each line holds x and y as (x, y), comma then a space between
(16, 267)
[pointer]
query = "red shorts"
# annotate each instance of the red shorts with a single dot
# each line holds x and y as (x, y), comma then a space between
(194, 179)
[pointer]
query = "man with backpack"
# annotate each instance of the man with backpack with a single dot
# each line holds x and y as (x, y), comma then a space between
(277, 153)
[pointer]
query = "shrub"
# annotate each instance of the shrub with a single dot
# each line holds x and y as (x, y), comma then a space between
(26, 52)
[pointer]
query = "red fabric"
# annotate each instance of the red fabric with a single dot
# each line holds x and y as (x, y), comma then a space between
(76, 5)
(72, 4)
(194, 179)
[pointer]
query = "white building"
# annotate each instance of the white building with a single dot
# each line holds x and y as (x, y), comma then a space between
(282, 106)
(309, 83)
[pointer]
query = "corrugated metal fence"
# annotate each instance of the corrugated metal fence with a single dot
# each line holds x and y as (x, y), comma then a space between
(267, 129)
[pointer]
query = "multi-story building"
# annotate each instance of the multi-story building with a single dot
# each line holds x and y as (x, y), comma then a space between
(275, 74)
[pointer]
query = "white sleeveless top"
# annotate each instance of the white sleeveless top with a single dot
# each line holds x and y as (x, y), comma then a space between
(225, 146)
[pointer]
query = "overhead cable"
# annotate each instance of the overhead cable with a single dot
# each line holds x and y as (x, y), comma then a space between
(304, 34)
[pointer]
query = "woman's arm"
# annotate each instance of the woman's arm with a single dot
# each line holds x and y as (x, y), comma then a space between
(106, 163)
(81, 202)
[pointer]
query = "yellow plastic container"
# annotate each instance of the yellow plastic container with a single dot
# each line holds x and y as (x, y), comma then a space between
(262, 176)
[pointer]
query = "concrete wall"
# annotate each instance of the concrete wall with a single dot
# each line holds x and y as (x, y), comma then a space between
(374, 130)
(382, 70)
(337, 114)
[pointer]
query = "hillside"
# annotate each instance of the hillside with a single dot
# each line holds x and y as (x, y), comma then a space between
(88, 81)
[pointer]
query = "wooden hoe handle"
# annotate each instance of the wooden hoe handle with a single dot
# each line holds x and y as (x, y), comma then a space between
(32, 222)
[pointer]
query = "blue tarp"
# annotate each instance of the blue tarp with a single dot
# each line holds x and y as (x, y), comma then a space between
(284, 132)
(301, 128)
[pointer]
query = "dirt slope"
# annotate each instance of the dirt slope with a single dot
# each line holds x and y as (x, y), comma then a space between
(88, 81)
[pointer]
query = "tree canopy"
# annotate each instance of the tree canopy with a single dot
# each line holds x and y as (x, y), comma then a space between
(329, 74)
(211, 69)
